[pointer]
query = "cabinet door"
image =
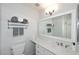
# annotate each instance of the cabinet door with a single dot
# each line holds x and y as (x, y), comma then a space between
(39, 50)
(42, 51)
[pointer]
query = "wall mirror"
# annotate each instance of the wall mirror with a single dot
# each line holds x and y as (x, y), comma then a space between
(59, 26)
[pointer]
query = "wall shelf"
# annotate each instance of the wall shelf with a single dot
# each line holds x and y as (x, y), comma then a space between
(16, 25)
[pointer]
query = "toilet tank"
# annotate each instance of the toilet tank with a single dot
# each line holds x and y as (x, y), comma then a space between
(18, 49)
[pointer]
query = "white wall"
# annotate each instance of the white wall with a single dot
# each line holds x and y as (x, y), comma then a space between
(62, 7)
(0, 29)
(20, 10)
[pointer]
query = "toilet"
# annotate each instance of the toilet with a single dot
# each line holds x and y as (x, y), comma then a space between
(18, 49)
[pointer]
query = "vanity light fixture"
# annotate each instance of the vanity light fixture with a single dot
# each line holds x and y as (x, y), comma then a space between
(51, 9)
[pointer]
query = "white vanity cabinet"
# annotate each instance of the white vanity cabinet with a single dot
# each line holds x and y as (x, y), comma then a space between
(42, 51)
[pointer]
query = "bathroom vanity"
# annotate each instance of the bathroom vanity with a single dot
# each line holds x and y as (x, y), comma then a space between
(59, 34)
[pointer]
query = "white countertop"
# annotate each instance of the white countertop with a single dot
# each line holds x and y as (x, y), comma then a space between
(51, 46)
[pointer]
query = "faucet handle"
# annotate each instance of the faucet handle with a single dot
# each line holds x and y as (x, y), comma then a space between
(61, 44)
(66, 46)
(58, 43)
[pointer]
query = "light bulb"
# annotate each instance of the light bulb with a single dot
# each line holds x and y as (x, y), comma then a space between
(51, 8)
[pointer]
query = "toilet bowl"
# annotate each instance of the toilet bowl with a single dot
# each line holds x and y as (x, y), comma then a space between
(18, 49)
